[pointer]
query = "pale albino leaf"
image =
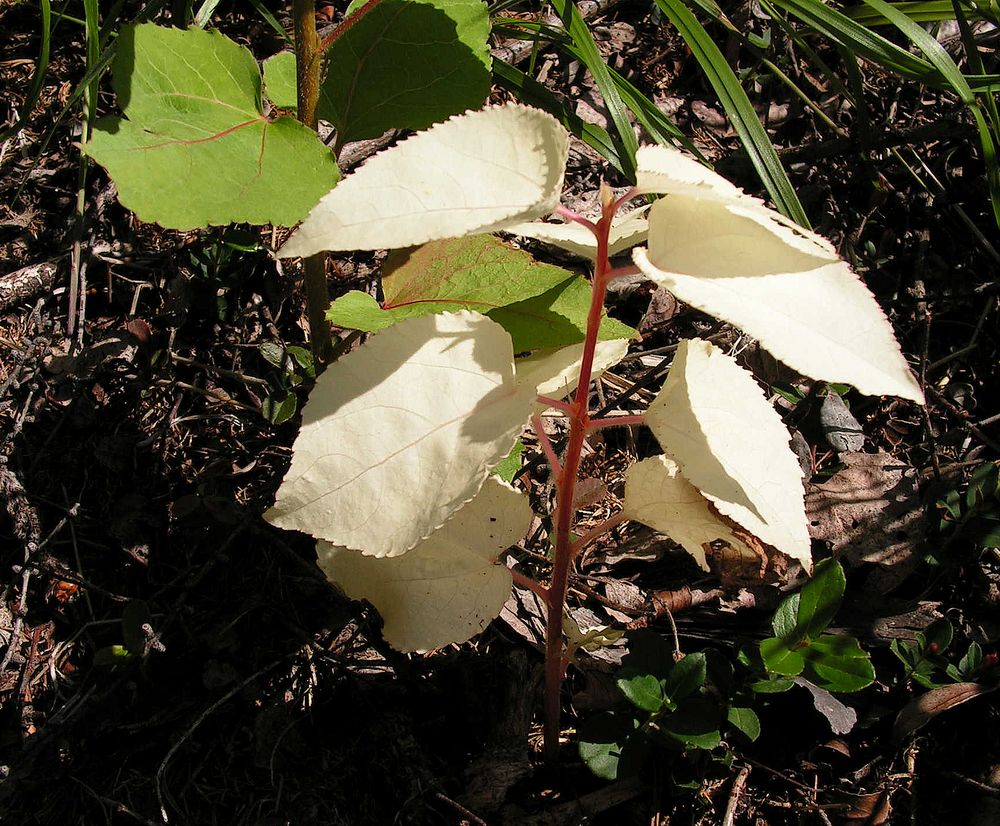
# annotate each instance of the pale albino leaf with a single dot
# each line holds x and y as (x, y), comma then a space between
(450, 585)
(555, 373)
(402, 432)
(474, 173)
(713, 419)
(658, 495)
(727, 254)
(626, 231)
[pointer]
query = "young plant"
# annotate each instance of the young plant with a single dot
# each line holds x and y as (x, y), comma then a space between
(399, 437)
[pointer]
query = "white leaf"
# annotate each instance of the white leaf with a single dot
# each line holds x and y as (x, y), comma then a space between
(555, 373)
(626, 231)
(727, 254)
(399, 434)
(449, 587)
(713, 419)
(658, 495)
(474, 173)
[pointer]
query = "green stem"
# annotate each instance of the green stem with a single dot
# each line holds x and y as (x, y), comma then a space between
(579, 418)
(308, 58)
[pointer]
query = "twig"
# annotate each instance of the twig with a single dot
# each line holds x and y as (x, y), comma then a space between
(208, 712)
(734, 796)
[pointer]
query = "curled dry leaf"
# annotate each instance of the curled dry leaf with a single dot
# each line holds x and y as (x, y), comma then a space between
(475, 173)
(449, 587)
(727, 254)
(921, 710)
(428, 405)
(713, 419)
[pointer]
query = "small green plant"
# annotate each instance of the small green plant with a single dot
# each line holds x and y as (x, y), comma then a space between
(927, 663)
(975, 515)
(834, 662)
(680, 703)
(391, 471)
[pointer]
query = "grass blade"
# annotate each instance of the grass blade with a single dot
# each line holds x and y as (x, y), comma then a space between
(35, 88)
(531, 92)
(739, 109)
(586, 48)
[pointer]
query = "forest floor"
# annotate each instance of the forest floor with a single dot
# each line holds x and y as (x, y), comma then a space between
(166, 656)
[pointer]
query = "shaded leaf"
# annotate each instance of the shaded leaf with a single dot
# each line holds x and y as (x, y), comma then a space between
(838, 664)
(449, 587)
(658, 495)
(626, 231)
(842, 431)
(921, 710)
(744, 720)
(554, 373)
(406, 64)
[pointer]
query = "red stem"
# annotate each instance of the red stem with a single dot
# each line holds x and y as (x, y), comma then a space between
(579, 419)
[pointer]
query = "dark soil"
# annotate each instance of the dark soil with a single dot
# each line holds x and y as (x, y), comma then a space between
(169, 657)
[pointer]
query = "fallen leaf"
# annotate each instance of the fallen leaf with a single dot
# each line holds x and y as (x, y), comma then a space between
(921, 710)
(870, 512)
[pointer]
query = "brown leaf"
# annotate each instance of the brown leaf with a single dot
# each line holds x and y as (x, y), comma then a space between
(868, 810)
(921, 710)
(870, 512)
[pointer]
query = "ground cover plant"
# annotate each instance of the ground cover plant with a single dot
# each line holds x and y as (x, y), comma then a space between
(572, 433)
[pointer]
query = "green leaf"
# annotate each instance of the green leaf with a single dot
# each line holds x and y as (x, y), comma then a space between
(611, 745)
(556, 318)
(820, 598)
(780, 659)
(540, 305)
(785, 621)
(727, 87)
(745, 720)
(279, 409)
(644, 691)
(280, 86)
(695, 724)
(686, 677)
(838, 664)
(511, 463)
(478, 273)
(406, 64)
(196, 149)
(772, 685)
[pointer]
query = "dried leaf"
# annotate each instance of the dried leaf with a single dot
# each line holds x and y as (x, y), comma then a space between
(921, 710)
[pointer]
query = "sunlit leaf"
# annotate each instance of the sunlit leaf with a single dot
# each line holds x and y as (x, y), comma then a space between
(196, 148)
(728, 255)
(474, 173)
(713, 419)
(450, 585)
(627, 230)
(402, 432)
(554, 373)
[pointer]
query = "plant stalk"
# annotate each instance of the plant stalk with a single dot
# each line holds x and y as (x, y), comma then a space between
(308, 59)
(579, 418)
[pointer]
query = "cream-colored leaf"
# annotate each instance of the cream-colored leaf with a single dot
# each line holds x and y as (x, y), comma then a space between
(727, 254)
(626, 231)
(713, 419)
(399, 434)
(658, 495)
(555, 373)
(449, 587)
(474, 173)
(665, 170)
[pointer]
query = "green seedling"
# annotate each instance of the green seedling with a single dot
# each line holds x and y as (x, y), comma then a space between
(391, 471)
(800, 646)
